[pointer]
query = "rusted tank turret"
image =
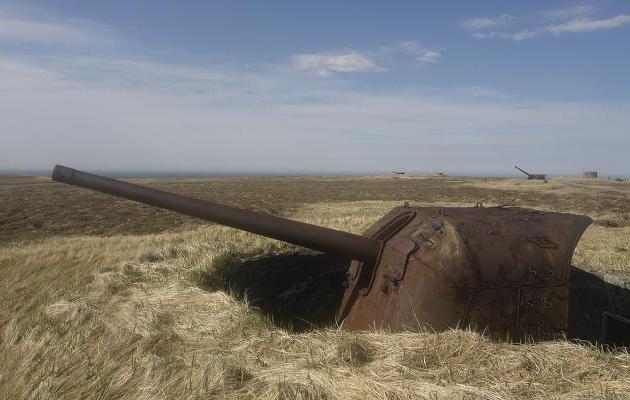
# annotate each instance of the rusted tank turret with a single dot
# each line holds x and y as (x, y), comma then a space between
(504, 271)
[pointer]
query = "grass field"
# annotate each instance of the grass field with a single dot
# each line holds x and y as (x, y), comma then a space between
(102, 298)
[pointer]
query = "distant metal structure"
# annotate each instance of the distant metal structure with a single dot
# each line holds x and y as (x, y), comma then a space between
(590, 174)
(541, 177)
(398, 172)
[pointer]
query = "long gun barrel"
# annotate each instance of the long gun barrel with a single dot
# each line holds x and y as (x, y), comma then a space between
(315, 237)
(523, 171)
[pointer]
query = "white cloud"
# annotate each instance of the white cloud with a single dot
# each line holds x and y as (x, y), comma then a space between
(21, 25)
(573, 11)
(576, 25)
(422, 55)
(127, 114)
(408, 46)
(429, 56)
(325, 64)
(16, 29)
(589, 25)
(572, 18)
(474, 24)
(516, 36)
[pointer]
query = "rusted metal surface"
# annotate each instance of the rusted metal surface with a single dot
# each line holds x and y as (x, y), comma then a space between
(504, 271)
(314, 237)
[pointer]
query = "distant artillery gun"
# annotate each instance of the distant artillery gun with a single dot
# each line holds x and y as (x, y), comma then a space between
(541, 177)
(398, 174)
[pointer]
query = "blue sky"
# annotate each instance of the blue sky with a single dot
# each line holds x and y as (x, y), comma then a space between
(291, 87)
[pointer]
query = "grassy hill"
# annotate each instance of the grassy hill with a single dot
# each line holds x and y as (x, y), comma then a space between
(101, 298)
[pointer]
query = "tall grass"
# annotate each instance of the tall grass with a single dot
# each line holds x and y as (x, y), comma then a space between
(130, 317)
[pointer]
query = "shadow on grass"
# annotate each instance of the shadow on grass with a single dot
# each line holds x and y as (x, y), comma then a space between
(599, 308)
(303, 291)
(296, 291)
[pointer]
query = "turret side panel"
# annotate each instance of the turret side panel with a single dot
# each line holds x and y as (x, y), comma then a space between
(504, 271)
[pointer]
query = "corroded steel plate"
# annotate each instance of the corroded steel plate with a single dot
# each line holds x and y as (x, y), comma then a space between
(503, 271)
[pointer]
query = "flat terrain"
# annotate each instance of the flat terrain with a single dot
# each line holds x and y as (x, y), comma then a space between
(104, 298)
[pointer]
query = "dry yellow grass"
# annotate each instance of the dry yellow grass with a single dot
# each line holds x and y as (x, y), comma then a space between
(123, 317)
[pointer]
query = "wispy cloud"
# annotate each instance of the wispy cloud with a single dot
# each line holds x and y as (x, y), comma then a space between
(516, 36)
(18, 28)
(474, 24)
(21, 25)
(422, 55)
(350, 61)
(429, 56)
(182, 117)
(325, 64)
(124, 111)
(589, 25)
(572, 11)
(570, 19)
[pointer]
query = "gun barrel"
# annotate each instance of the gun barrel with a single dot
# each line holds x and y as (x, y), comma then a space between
(523, 171)
(315, 237)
